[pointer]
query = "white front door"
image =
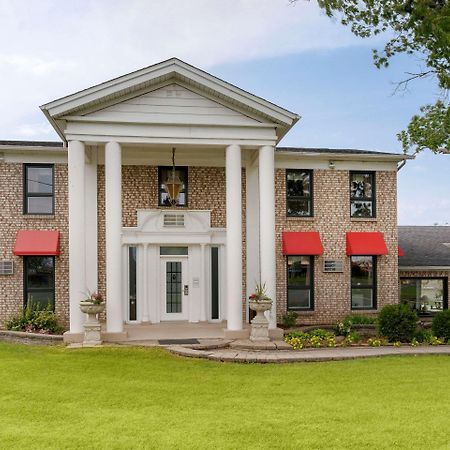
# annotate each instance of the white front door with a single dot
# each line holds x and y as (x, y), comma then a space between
(175, 289)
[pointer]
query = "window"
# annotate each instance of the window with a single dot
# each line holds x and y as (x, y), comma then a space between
(300, 282)
(425, 295)
(299, 193)
(163, 174)
(39, 281)
(363, 282)
(38, 189)
(362, 194)
(132, 282)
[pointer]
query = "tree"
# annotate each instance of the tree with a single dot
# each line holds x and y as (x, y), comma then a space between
(414, 27)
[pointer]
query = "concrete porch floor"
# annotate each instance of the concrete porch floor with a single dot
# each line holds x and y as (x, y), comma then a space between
(175, 330)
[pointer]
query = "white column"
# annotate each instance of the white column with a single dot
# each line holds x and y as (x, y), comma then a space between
(91, 221)
(267, 225)
(203, 283)
(252, 226)
(113, 223)
(77, 237)
(234, 237)
(145, 297)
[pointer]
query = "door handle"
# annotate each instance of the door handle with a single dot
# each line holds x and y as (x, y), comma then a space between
(186, 289)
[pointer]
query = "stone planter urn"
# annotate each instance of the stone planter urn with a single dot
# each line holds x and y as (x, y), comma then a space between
(260, 324)
(92, 327)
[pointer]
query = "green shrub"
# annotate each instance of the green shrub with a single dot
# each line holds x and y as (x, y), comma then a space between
(361, 319)
(315, 338)
(423, 336)
(441, 324)
(290, 319)
(35, 320)
(397, 323)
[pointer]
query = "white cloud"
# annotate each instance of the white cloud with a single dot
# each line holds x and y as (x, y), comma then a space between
(52, 48)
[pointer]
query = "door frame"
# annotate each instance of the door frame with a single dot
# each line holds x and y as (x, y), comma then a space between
(185, 304)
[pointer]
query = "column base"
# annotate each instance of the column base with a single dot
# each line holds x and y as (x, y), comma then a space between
(236, 334)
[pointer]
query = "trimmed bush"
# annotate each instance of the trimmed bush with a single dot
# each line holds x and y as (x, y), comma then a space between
(35, 320)
(397, 323)
(290, 319)
(441, 324)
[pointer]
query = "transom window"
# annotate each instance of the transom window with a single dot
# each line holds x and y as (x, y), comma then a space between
(362, 194)
(299, 193)
(163, 175)
(425, 295)
(300, 282)
(39, 281)
(363, 282)
(38, 189)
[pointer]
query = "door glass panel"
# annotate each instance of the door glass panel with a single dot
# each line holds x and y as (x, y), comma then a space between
(132, 283)
(182, 251)
(173, 287)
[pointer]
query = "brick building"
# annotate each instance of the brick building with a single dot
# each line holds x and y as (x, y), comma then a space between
(94, 212)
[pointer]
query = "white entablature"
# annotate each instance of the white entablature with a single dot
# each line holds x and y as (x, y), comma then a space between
(171, 227)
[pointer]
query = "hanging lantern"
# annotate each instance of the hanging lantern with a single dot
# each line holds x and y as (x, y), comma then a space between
(173, 184)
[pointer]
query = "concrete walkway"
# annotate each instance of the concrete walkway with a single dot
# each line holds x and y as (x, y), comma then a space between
(305, 355)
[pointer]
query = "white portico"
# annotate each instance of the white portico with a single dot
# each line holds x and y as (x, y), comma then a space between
(137, 119)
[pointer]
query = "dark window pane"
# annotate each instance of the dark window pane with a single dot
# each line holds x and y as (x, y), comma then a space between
(298, 183)
(41, 299)
(362, 270)
(361, 185)
(424, 295)
(298, 193)
(361, 209)
(40, 180)
(40, 205)
(298, 207)
(182, 251)
(362, 298)
(299, 270)
(214, 283)
(299, 298)
(132, 281)
(40, 272)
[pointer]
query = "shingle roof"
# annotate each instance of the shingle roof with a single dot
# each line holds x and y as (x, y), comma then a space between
(344, 151)
(32, 143)
(424, 245)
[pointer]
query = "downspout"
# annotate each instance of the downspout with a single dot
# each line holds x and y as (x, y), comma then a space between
(400, 166)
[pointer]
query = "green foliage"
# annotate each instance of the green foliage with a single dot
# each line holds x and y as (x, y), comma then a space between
(423, 336)
(352, 338)
(35, 320)
(315, 338)
(290, 319)
(414, 27)
(441, 324)
(345, 327)
(397, 323)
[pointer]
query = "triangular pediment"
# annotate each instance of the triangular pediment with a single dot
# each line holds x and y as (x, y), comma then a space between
(173, 104)
(231, 102)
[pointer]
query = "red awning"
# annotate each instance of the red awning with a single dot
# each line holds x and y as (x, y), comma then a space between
(36, 242)
(366, 243)
(302, 243)
(400, 251)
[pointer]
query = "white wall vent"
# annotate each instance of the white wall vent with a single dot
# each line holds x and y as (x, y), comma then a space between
(333, 266)
(6, 268)
(173, 220)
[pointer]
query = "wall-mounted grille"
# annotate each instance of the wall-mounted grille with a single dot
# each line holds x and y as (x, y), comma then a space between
(173, 220)
(6, 268)
(333, 266)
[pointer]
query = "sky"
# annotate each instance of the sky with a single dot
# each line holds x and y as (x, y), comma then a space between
(292, 55)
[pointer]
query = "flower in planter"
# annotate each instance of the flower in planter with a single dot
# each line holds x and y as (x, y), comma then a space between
(259, 294)
(95, 298)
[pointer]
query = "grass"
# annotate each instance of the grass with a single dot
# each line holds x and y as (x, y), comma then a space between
(114, 398)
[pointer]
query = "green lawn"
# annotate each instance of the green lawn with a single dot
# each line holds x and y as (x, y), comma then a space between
(146, 398)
